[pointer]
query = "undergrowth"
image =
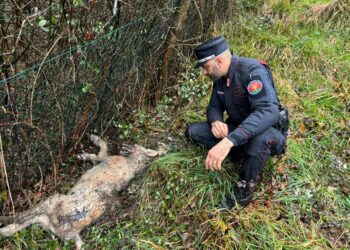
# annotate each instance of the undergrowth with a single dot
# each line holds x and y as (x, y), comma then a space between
(303, 200)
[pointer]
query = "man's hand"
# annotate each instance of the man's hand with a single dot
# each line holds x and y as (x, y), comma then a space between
(219, 129)
(217, 154)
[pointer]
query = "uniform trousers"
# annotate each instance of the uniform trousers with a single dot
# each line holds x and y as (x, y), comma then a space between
(252, 155)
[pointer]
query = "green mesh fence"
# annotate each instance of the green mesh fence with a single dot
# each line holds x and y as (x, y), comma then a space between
(49, 110)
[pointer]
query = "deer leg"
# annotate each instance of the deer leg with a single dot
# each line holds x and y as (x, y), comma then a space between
(78, 242)
(43, 207)
(89, 157)
(42, 220)
(101, 144)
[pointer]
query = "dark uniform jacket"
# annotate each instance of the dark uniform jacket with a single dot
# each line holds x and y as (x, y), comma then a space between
(248, 96)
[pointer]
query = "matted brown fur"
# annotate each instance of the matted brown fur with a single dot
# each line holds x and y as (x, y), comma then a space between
(66, 215)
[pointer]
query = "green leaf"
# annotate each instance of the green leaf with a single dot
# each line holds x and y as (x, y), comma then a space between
(78, 3)
(42, 23)
(44, 29)
(54, 20)
(86, 87)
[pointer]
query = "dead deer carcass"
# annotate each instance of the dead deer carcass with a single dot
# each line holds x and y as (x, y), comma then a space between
(66, 215)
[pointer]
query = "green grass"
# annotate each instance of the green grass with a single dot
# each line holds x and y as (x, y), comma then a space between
(303, 200)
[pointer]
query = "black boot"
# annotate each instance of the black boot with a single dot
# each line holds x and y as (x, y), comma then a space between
(243, 195)
(243, 192)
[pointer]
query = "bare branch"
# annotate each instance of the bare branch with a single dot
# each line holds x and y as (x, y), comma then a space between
(3, 170)
(36, 79)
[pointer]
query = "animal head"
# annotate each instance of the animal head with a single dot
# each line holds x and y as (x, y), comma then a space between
(139, 156)
(138, 151)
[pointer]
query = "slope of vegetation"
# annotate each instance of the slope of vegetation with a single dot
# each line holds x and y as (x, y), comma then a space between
(303, 200)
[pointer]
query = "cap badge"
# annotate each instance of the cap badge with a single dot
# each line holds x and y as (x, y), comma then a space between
(254, 87)
(206, 58)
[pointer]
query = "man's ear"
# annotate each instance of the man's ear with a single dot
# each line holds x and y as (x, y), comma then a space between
(219, 61)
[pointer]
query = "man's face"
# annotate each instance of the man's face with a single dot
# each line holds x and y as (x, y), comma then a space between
(211, 69)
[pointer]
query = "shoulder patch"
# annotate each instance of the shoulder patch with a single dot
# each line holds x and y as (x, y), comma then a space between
(255, 87)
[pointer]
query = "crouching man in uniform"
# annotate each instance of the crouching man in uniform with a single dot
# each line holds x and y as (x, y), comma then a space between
(256, 126)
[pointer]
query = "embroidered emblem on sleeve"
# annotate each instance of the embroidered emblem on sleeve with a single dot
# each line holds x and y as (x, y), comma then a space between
(254, 87)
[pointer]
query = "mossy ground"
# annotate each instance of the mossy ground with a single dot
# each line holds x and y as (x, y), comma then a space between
(303, 200)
